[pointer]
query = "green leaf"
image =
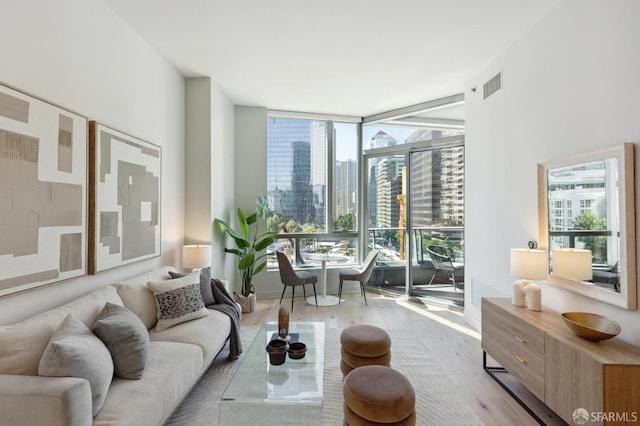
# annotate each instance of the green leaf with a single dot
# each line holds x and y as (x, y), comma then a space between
(244, 226)
(263, 244)
(252, 219)
(234, 251)
(242, 243)
(247, 261)
(260, 267)
(221, 225)
(262, 206)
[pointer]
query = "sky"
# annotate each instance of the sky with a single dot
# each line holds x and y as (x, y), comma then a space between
(346, 137)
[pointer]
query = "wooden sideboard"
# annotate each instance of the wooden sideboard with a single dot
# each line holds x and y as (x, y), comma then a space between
(563, 370)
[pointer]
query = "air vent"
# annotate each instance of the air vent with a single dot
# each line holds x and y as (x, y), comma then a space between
(493, 85)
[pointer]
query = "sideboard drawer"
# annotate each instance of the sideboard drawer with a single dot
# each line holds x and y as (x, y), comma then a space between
(562, 369)
(516, 345)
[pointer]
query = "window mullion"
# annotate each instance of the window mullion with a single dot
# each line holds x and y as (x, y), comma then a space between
(330, 210)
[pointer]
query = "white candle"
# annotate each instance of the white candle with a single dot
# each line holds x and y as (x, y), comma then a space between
(518, 293)
(533, 296)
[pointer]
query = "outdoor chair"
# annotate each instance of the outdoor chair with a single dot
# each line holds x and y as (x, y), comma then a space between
(361, 274)
(442, 261)
(290, 277)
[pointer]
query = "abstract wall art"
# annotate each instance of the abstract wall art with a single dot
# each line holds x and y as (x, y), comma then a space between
(124, 198)
(43, 190)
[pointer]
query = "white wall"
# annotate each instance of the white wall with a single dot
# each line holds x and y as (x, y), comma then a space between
(197, 215)
(223, 185)
(569, 86)
(80, 55)
(209, 171)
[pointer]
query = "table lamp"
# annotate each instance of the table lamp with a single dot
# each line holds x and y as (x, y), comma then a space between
(196, 256)
(573, 264)
(528, 264)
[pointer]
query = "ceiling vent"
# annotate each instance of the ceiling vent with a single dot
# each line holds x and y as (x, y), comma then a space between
(493, 85)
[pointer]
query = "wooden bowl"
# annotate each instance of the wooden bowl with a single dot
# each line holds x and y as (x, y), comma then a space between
(297, 350)
(590, 326)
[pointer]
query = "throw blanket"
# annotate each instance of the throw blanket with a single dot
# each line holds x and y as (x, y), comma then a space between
(225, 303)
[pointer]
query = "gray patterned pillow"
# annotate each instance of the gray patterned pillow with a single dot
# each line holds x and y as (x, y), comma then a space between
(178, 300)
(205, 284)
(126, 337)
(74, 351)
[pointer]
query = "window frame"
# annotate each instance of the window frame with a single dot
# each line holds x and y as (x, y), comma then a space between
(330, 231)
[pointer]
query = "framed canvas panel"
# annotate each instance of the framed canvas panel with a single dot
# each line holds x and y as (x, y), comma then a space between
(124, 198)
(43, 192)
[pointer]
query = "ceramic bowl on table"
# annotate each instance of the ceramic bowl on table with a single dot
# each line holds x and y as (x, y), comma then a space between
(297, 350)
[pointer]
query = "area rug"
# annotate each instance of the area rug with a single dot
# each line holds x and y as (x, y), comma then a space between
(438, 401)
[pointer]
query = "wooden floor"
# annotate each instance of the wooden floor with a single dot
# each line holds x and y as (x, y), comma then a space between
(455, 344)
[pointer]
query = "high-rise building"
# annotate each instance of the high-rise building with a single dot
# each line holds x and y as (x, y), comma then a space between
(346, 183)
(318, 153)
(301, 201)
(378, 208)
(437, 182)
(388, 187)
(289, 186)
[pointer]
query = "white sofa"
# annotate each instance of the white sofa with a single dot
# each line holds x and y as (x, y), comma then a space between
(177, 357)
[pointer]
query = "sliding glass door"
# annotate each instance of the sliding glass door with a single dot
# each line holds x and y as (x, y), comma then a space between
(415, 216)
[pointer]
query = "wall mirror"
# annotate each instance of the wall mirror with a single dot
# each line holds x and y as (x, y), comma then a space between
(586, 202)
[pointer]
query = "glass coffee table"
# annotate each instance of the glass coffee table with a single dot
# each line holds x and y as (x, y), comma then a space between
(291, 393)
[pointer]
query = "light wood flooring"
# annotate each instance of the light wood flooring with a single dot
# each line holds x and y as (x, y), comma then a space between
(454, 344)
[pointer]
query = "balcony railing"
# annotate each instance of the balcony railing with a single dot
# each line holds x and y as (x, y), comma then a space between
(342, 248)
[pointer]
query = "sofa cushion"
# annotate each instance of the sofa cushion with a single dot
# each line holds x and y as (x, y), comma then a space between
(51, 401)
(74, 351)
(126, 337)
(210, 333)
(138, 298)
(178, 300)
(22, 344)
(205, 284)
(172, 368)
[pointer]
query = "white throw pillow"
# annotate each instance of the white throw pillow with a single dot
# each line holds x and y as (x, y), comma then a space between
(178, 300)
(74, 351)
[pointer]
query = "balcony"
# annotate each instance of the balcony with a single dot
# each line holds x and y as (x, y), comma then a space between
(304, 250)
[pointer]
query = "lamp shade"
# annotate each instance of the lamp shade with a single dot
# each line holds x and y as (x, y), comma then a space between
(572, 263)
(196, 256)
(529, 264)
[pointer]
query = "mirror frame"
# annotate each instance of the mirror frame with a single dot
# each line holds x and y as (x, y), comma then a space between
(626, 177)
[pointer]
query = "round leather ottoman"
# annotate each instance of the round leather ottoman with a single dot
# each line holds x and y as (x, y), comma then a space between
(364, 344)
(365, 340)
(346, 369)
(352, 419)
(378, 394)
(355, 361)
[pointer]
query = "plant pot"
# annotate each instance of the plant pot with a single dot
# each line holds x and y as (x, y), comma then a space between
(247, 303)
(277, 350)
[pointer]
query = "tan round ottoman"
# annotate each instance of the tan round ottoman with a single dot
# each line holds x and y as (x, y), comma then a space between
(364, 344)
(352, 419)
(375, 394)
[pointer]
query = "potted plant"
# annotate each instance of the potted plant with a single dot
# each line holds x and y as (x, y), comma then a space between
(249, 242)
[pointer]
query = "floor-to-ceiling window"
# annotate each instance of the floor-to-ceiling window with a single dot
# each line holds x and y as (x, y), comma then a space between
(312, 188)
(394, 182)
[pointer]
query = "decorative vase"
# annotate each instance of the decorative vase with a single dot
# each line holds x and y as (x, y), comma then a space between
(283, 323)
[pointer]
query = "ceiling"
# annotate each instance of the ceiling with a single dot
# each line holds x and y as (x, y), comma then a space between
(348, 57)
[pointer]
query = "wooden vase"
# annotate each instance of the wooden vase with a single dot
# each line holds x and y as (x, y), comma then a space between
(283, 323)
